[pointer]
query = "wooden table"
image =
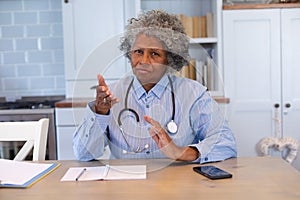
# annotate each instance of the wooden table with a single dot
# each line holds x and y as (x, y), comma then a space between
(258, 178)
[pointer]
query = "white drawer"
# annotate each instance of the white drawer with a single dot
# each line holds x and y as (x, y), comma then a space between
(64, 137)
(65, 144)
(69, 116)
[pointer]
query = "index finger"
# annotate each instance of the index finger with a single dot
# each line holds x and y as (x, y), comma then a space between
(151, 121)
(156, 127)
(101, 80)
(148, 119)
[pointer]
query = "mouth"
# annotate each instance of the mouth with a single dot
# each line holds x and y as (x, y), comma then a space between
(142, 70)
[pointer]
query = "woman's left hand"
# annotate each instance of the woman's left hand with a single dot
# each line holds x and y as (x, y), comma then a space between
(165, 142)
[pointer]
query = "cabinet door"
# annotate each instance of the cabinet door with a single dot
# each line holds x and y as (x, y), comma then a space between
(69, 116)
(64, 143)
(251, 73)
(291, 74)
(92, 31)
(67, 119)
(86, 25)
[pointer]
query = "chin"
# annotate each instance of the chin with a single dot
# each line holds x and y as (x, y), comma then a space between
(145, 81)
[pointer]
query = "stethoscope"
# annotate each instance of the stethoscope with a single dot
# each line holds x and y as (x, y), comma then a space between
(171, 125)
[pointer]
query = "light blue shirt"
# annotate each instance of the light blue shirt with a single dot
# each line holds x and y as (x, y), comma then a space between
(200, 121)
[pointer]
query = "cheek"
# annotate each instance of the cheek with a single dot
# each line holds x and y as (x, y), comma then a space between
(133, 62)
(162, 69)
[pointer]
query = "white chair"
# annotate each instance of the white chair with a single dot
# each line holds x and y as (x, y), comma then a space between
(33, 132)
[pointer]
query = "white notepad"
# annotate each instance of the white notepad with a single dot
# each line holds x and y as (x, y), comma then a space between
(22, 174)
(108, 172)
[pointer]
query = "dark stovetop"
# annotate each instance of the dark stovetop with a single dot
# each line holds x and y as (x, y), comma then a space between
(31, 103)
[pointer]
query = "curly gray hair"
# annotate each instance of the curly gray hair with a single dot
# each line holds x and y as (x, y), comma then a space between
(163, 26)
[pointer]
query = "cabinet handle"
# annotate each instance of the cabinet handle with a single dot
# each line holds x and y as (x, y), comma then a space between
(287, 105)
(276, 105)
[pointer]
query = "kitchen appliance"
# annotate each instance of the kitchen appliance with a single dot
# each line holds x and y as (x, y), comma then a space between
(29, 109)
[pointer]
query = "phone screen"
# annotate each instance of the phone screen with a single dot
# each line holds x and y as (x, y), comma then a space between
(212, 172)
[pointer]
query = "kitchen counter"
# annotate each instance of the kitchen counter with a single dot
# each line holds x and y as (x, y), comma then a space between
(73, 102)
(261, 6)
(27, 111)
(82, 102)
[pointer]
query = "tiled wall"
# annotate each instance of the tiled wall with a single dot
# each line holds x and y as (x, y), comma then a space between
(31, 48)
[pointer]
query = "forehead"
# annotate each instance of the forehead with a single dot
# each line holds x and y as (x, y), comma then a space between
(144, 41)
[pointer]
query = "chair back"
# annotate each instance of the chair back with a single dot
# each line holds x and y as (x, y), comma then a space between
(34, 133)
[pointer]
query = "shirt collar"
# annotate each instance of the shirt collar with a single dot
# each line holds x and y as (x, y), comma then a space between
(157, 90)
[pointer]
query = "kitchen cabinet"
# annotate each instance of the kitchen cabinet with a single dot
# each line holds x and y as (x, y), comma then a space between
(67, 120)
(261, 72)
(92, 30)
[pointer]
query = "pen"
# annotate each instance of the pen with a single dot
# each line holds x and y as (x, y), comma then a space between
(80, 174)
(94, 87)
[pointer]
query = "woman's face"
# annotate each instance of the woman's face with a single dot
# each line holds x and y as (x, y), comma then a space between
(148, 60)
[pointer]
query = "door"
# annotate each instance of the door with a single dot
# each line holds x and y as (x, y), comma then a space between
(291, 74)
(251, 74)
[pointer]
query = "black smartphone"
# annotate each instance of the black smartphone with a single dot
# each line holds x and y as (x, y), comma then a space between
(212, 172)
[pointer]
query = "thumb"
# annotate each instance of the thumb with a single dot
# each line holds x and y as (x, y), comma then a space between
(101, 80)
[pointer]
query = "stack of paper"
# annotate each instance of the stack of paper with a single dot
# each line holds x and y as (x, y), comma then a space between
(22, 174)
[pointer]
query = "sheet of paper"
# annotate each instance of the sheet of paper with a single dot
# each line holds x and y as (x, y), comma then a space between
(126, 172)
(91, 173)
(19, 172)
(122, 172)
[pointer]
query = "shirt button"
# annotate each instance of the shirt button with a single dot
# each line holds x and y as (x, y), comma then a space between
(147, 106)
(92, 119)
(86, 135)
(206, 158)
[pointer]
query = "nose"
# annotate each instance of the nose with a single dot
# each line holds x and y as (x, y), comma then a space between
(145, 58)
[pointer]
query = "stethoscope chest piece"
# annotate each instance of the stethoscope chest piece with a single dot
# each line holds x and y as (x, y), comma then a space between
(172, 127)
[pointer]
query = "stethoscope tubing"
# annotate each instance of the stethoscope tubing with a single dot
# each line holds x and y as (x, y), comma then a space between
(135, 113)
(138, 149)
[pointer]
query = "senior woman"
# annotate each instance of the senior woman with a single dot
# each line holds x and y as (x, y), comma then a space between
(152, 113)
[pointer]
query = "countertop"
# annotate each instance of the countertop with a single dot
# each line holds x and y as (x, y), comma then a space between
(73, 102)
(27, 111)
(82, 102)
(261, 6)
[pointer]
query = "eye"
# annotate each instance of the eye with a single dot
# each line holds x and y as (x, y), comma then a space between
(138, 52)
(156, 54)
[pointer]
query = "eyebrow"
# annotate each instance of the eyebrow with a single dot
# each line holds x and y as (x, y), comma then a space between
(152, 49)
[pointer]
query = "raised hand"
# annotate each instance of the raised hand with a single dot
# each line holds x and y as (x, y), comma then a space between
(104, 98)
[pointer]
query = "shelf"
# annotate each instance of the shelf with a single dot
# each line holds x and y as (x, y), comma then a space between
(203, 40)
(261, 6)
